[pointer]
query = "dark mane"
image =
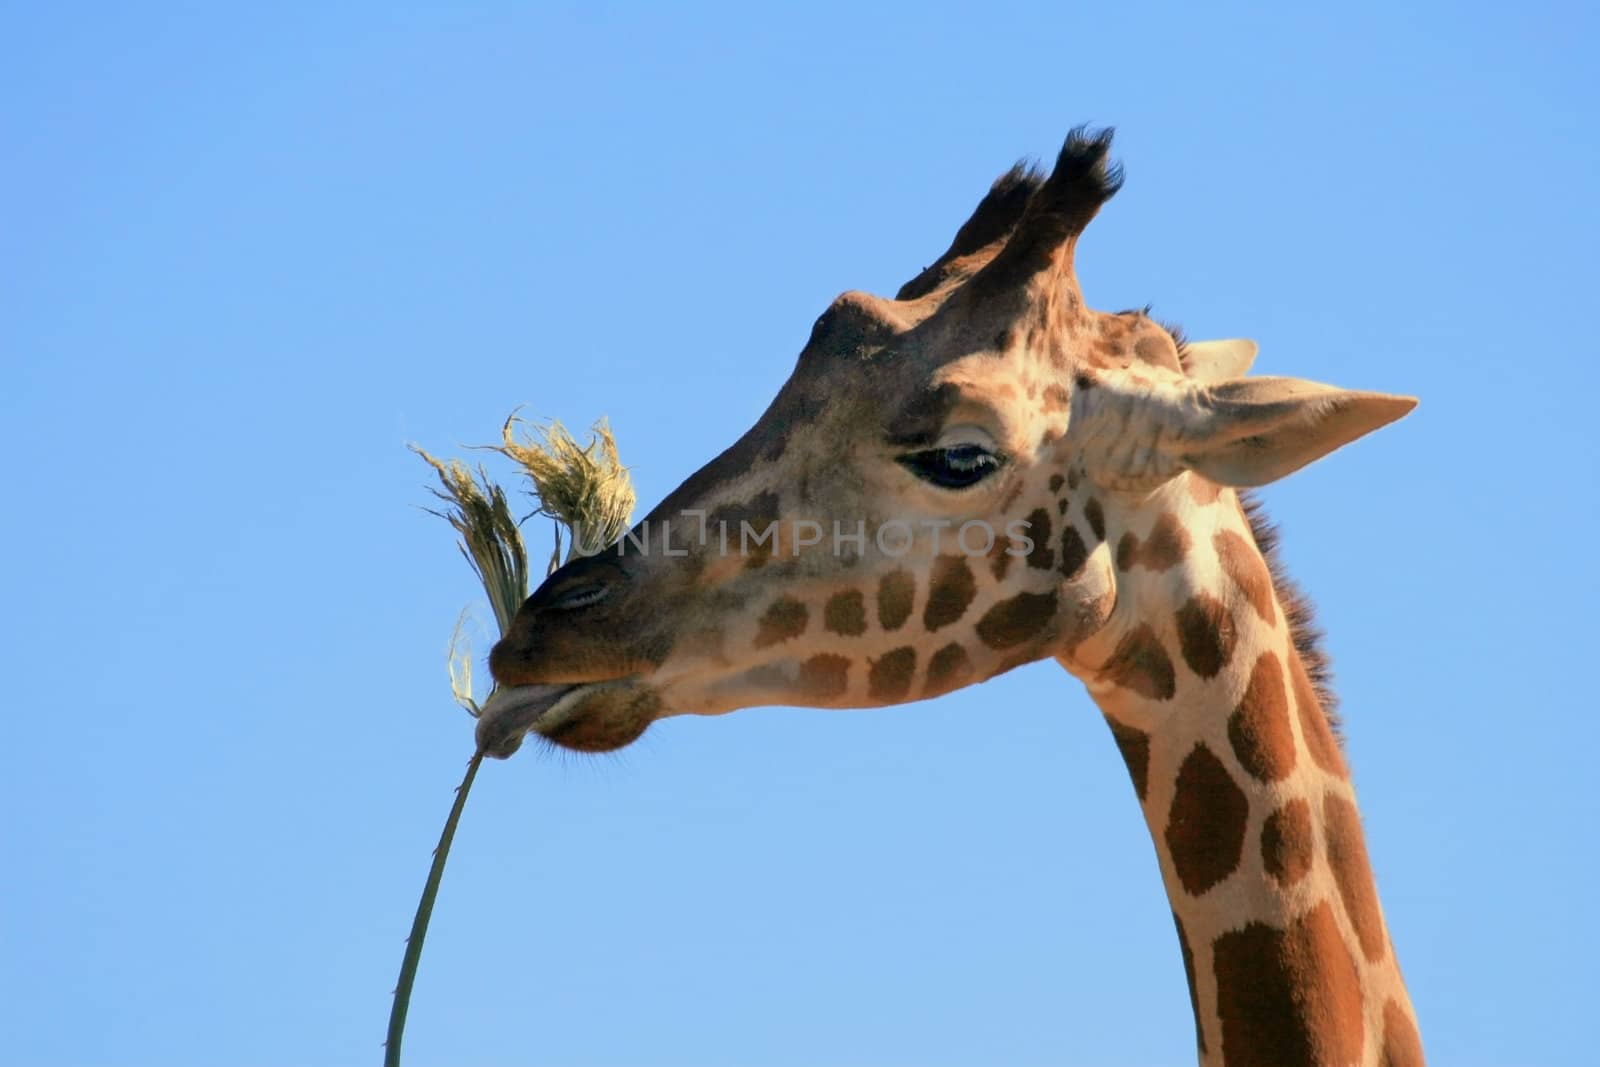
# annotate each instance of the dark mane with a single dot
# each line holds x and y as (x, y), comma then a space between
(1298, 609)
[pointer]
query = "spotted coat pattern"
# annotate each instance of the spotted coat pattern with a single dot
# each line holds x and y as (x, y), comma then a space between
(1143, 575)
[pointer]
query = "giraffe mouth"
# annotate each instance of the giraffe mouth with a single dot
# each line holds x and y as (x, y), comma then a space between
(584, 716)
(511, 712)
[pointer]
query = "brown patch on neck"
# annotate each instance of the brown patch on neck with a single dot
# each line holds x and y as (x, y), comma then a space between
(1096, 517)
(1043, 556)
(1205, 634)
(1167, 544)
(1205, 826)
(1127, 552)
(1402, 1047)
(1245, 567)
(1135, 748)
(1203, 491)
(1352, 872)
(1288, 996)
(1074, 554)
(1259, 728)
(1142, 665)
(1188, 973)
(1287, 847)
(1297, 611)
(1164, 549)
(1320, 741)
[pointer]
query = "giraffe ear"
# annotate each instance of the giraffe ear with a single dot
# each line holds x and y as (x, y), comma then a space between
(1251, 431)
(1215, 361)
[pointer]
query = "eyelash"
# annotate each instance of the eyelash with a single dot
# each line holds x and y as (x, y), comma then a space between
(578, 597)
(956, 467)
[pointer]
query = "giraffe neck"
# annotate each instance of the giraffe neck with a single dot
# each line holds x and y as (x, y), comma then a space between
(1245, 790)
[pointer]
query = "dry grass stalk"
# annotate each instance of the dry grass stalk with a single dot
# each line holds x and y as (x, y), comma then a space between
(490, 539)
(586, 490)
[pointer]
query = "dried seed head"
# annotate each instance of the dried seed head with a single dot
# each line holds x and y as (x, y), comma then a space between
(583, 487)
(490, 540)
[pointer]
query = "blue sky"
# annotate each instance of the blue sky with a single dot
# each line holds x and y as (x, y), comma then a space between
(249, 254)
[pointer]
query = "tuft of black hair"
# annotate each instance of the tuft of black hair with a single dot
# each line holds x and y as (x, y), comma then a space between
(1304, 632)
(1083, 179)
(1000, 209)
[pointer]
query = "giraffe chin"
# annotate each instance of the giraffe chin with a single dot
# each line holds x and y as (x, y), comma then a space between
(589, 717)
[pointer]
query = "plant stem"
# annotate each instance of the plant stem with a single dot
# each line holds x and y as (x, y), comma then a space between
(419, 922)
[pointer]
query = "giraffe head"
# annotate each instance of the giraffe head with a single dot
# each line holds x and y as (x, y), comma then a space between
(925, 503)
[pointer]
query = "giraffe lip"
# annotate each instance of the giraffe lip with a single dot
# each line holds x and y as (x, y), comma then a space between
(510, 713)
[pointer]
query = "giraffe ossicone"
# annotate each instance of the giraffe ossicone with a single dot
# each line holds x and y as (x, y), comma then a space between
(1059, 483)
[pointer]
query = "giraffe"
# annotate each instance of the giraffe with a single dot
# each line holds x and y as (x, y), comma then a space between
(982, 472)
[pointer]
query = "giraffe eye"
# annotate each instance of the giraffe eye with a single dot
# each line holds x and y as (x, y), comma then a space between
(579, 597)
(955, 467)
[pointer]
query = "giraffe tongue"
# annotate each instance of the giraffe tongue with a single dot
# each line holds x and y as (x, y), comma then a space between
(511, 713)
